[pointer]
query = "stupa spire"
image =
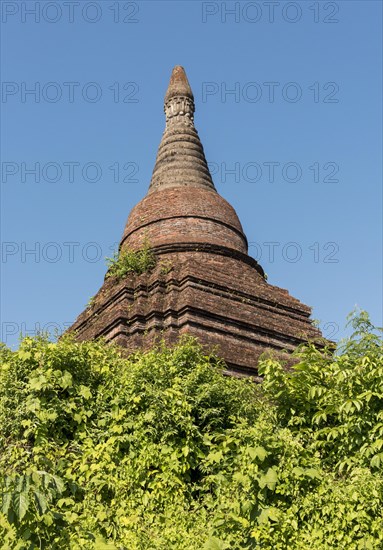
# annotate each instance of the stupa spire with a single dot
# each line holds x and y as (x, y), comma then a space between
(179, 84)
(180, 159)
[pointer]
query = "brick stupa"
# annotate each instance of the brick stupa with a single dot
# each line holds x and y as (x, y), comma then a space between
(204, 282)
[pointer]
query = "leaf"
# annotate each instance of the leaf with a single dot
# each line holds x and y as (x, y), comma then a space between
(215, 457)
(214, 544)
(20, 504)
(365, 544)
(241, 478)
(66, 380)
(26, 534)
(376, 460)
(41, 501)
(347, 406)
(59, 483)
(51, 481)
(37, 383)
(24, 355)
(257, 452)
(102, 544)
(6, 502)
(297, 471)
(313, 473)
(274, 513)
(263, 517)
(48, 519)
(269, 480)
(85, 392)
(267, 514)
(319, 417)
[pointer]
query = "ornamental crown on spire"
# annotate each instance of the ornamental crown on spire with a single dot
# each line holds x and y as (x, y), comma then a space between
(179, 84)
(179, 99)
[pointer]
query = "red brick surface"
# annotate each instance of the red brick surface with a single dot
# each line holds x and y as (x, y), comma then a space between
(184, 214)
(204, 283)
(223, 301)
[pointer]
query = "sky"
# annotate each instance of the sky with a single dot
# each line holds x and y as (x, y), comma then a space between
(287, 107)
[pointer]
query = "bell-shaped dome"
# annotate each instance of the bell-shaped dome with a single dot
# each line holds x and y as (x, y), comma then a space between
(180, 215)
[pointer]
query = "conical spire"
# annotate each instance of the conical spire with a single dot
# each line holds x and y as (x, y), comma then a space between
(178, 85)
(180, 159)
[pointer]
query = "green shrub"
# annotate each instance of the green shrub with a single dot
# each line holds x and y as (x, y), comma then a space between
(131, 261)
(161, 451)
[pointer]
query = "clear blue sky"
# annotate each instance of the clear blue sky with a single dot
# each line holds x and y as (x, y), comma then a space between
(306, 82)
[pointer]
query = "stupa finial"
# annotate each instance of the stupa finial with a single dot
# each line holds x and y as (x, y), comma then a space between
(179, 99)
(179, 84)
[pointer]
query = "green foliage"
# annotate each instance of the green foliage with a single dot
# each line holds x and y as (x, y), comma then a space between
(131, 261)
(160, 450)
(335, 403)
(91, 302)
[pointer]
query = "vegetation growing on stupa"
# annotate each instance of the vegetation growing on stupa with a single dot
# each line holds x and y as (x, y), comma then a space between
(160, 451)
(131, 261)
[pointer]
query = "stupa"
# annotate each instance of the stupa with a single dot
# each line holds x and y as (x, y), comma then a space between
(204, 282)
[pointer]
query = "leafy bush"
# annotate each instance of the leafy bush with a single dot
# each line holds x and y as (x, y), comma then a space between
(162, 451)
(131, 261)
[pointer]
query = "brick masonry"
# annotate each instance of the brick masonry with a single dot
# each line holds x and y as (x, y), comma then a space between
(204, 282)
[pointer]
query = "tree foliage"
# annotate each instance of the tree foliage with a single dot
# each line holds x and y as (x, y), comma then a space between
(160, 450)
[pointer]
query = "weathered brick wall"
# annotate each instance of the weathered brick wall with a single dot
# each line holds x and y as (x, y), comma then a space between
(221, 300)
(184, 215)
(185, 230)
